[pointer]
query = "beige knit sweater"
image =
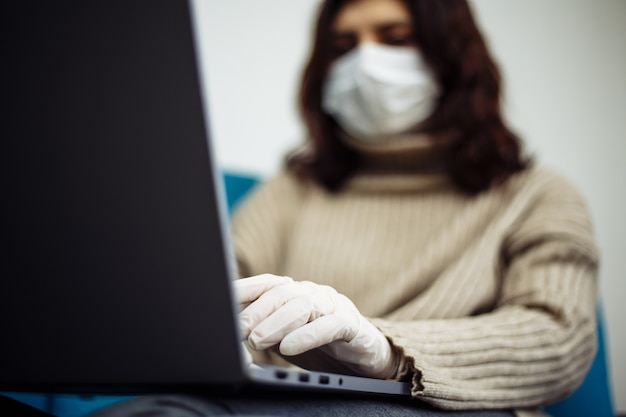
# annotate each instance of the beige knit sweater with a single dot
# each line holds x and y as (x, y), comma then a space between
(489, 299)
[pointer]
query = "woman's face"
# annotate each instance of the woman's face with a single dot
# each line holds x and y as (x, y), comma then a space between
(378, 21)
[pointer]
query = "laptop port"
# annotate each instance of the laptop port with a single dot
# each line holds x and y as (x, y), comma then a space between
(302, 377)
(325, 380)
(281, 374)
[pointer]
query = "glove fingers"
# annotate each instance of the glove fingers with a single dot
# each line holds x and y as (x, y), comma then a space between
(272, 303)
(317, 333)
(249, 289)
(282, 310)
(278, 323)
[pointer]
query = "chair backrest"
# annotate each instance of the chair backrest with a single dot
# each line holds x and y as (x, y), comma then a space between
(237, 186)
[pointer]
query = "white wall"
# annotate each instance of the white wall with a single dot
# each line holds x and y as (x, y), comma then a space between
(563, 61)
(254, 55)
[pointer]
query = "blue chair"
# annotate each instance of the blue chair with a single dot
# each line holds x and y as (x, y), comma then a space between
(236, 187)
(592, 398)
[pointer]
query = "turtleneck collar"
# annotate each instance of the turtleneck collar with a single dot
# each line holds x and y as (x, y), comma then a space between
(408, 162)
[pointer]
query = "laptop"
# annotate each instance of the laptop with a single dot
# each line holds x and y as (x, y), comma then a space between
(117, 266)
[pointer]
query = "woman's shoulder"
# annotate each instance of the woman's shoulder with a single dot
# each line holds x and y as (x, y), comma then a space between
(541, 180)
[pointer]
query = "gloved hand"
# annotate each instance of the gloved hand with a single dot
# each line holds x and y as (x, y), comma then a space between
(300, 316)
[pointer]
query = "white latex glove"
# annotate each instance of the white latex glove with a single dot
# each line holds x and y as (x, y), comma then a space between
(300, 316)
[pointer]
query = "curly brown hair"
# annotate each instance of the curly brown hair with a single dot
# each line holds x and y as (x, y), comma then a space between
(485, 151)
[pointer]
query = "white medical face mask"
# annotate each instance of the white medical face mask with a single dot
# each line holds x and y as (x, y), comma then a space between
(378, 90)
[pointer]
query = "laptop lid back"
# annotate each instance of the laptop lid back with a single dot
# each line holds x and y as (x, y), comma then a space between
(114, 271)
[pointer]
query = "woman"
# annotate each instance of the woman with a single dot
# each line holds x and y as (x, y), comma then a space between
(410, 239)
(477, 271)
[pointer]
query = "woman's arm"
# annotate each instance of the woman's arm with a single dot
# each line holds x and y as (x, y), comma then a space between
(536, 346)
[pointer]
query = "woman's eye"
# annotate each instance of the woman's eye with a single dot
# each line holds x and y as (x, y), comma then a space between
(396, 35)
(399, 40)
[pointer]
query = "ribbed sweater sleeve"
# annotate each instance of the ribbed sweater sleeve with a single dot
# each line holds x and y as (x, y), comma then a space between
(537, 344)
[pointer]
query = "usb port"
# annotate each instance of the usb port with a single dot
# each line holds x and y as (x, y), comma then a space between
(281, 374)
(325, 380)
(302, 377)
